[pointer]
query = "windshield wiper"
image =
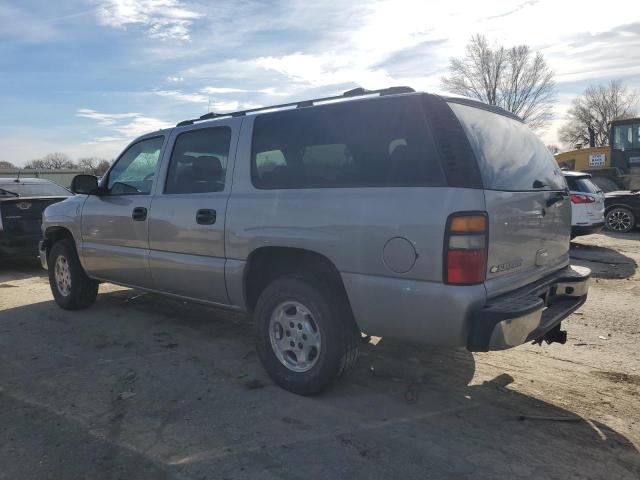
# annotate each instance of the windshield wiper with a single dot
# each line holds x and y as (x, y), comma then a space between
(8, 192)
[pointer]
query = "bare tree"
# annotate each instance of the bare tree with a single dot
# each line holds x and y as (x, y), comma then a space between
(515, 79)
(103, 166)
(553, 148)
(51, 161)
(5, 164)
(95, 165)
(595, 109)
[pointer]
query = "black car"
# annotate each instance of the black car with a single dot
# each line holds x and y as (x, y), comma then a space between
(22, 202)
(622, 210)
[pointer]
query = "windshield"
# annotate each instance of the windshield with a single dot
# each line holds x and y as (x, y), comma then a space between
(33, 190)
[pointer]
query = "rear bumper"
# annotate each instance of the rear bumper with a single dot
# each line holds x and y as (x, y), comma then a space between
(528, 313)
(579, 230)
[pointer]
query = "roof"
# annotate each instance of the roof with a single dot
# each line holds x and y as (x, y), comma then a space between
(484, 106)
(354, 94)
(624, 121)
(569, 173)
(24, 180)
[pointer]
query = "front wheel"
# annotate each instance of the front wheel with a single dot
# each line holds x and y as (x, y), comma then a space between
(620, 220)
(306, 334)
(71, 287)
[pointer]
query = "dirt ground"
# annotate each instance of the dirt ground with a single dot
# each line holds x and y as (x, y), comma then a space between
(141, 387)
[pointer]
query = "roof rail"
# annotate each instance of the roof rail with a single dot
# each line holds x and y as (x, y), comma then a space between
(356, 92)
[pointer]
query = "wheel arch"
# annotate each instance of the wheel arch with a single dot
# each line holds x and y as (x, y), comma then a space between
(608, 208)
(54, 233)
(265, 264)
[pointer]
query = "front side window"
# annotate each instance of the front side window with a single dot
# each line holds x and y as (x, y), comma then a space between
(134, 171)
(199, 161)
(372, 143)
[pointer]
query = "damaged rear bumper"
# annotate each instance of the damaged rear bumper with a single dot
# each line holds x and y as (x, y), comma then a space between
(530, 312)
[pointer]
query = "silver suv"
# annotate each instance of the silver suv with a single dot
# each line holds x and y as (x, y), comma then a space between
(429, 219)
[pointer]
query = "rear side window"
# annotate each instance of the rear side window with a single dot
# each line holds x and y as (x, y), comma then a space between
(381, 142)
(510, 155)
(199, 161)
(582, 184)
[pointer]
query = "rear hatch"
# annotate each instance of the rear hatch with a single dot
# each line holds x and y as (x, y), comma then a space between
(526, 199)
(590, 198)
(22, 216)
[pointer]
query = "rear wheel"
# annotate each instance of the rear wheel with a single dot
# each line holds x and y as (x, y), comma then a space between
(306, 334)
(72, 289)
(620, 220)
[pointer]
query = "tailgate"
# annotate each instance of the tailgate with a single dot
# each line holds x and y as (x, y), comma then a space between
(526, 197)
(528, 237)
(23, 216)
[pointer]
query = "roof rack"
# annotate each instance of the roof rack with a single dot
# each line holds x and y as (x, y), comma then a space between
(356, 92)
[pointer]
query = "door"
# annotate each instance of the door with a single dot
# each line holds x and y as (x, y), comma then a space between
(115, 241)
(186, 223)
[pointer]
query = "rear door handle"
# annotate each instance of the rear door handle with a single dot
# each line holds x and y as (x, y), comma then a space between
(206, 216)
(139, 214)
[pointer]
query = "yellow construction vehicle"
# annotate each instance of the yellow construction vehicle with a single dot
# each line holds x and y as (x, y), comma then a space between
(616, 167)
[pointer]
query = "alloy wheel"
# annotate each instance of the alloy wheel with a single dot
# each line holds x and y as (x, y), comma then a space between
(295, 336)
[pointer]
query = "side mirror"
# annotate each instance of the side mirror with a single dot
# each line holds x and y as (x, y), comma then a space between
(84, 184)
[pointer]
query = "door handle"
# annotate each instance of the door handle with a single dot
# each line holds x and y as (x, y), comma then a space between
(139, 214)
(206, 216)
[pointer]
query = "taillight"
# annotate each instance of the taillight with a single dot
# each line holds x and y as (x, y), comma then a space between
(465, 248)
(575, 198)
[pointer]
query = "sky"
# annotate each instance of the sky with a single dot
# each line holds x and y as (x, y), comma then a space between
(85, 77)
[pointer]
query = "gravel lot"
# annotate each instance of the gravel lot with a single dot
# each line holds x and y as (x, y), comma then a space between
(140, 387)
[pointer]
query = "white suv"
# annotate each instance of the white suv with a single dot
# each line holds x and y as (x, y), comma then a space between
(587, 204)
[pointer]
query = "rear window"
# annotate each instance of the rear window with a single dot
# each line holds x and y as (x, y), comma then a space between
(382, 142)
(33, 190)
(582, 184)
(510, 155)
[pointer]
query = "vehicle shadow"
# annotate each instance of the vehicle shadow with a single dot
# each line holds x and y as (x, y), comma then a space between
(176, 389)
(20, 269)
(604, 262)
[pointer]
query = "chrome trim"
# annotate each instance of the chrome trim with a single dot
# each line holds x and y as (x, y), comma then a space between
(572, 289)
(514, 331)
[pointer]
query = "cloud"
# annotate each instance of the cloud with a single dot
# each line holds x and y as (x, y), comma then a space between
(206, 96)
(175, 79)
(214, 90)
(126, 125)
(23, 26)
(106, 119)
(181, 96)
(162, 19)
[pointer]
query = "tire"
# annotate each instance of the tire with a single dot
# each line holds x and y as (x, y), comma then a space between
(307, 303)
(71, 288)
(605, 184)
(620, 220)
